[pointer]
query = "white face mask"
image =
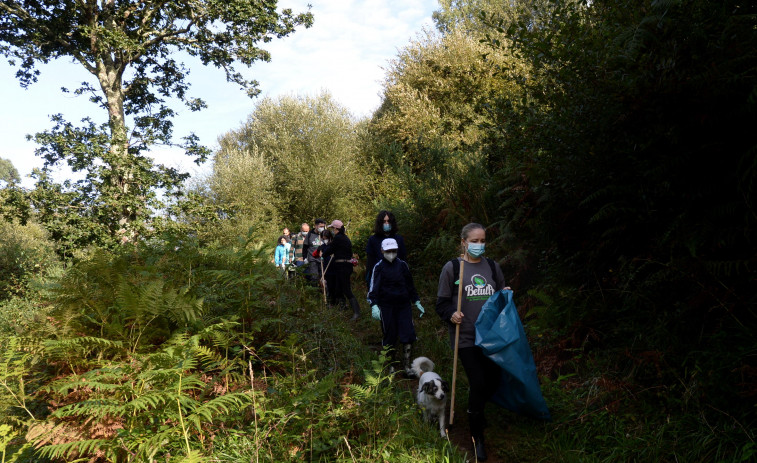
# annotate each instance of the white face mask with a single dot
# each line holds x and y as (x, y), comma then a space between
(325, 241)
(390, 256)
(320, 229)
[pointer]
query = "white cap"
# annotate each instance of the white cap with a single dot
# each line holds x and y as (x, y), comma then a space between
(389, 244)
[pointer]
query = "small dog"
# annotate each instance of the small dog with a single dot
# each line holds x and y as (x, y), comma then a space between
(432, 392)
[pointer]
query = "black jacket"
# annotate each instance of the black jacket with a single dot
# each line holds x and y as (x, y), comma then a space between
(340, 247)
(391, 283)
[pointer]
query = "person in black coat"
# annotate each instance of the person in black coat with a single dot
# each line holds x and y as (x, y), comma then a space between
(390, 294)
(341, 250)
(384, 227)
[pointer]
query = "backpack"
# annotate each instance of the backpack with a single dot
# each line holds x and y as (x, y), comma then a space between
(456, 269)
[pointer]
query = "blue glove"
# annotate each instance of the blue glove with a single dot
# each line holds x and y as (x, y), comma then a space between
(420, 308)
(375, 312)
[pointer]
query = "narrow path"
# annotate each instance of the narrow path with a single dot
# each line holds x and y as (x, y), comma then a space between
(432, 338)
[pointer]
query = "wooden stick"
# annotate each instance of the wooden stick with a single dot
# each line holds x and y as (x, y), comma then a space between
(323, 282)
(323, 276)
(457, 340)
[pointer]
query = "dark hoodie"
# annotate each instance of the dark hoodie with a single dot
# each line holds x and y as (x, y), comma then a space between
(391, 283)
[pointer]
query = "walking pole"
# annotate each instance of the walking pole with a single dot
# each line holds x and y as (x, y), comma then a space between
(457, 340)
(323, 282)
(323, 277)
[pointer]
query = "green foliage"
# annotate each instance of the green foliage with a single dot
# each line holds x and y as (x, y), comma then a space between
(197, 219)
(241, 282)
(295, 159)
(119, 298)
(436, 94)
(601, 417)
(14, 204)
(154, 405)
(615, 198)
(609, 147)
(316, 418)
(244, 183)
(98, 209)
(8, 172)
(71, 220)
(466, 15)
(119, 370)
(19, 408)
(130, 364)
(131, 56)
(432, 132)
(15, 400)
(26, 253)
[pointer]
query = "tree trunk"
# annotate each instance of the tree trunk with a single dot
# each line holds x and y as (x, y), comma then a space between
(121, 176)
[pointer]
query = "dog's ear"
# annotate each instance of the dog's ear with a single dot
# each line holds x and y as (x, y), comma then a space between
(445, 386)
(428, 387)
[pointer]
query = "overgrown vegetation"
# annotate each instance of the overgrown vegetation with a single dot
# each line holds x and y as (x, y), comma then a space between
(135, 357)
(609, 147)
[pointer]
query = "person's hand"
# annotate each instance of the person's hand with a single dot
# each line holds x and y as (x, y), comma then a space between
(375, 312)
(420, 308)
(456, 318)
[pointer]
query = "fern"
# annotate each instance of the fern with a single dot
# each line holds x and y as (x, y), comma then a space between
(143, 398)
(73, 449)
(82, 351)
(113, 297)
(17, 356)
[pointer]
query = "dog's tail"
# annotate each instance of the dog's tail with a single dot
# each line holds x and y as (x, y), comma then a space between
(422, 365)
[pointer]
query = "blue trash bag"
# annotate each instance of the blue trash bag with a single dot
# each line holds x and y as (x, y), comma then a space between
(500, 335)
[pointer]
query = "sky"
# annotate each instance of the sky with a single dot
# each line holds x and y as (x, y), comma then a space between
(344, 52)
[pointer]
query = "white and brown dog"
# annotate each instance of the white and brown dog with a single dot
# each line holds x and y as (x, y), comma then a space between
(432, 392)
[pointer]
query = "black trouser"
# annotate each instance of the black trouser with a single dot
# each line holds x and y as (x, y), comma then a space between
(397, 323)
(483, 377)
(342, 285)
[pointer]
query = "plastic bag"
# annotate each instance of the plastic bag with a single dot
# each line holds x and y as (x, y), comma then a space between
(500, 335)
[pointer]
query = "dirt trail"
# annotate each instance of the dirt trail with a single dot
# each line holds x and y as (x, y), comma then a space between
(458, 434)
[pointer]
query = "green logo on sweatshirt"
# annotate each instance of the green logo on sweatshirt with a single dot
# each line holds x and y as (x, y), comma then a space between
(479, 289)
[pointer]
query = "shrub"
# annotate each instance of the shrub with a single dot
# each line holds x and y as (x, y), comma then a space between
(25, 252)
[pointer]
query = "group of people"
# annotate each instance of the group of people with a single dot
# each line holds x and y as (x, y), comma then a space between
(324, 256)
(392, 295)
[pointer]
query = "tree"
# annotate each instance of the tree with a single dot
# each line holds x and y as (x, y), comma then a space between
(436, 92)
(465, 15)
(633, 177)
(436, 115)
(8, 172)
(309, 146)
(129, 47)
(14, 200)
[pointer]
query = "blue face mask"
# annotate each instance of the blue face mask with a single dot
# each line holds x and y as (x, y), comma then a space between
(387, 227)
(476, 249)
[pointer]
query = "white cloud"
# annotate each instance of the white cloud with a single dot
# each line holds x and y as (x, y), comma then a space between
(344, 52)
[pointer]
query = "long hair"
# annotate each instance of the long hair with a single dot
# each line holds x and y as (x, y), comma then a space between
(378, 227)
